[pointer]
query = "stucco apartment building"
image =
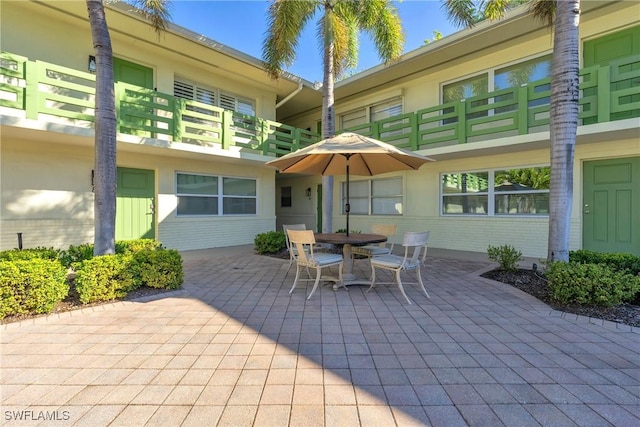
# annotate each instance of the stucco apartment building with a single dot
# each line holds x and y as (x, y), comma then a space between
(199, 120)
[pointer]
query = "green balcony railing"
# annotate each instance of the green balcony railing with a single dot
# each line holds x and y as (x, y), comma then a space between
(47, 91)
(608, 93)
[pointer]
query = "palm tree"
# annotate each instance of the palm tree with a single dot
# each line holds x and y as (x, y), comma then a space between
(105, 118)
(338, 27)
(564, 15)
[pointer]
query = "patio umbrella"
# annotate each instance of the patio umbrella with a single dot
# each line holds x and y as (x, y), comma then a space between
(349, 153)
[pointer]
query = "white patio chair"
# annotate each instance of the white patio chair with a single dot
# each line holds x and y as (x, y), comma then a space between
(383, 248)
(291, 249)
(415, 253)
(305, 256)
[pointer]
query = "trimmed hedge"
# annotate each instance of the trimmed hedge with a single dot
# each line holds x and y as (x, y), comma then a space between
(34, 285)
(160, 269)
(83, 252)
(105, 278)
(271, 242)
(616, 261)
(591, 284)
(133, 246)
(34, 280)
(27, 254)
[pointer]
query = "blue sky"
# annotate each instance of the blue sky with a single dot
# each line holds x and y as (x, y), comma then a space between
(241, 24)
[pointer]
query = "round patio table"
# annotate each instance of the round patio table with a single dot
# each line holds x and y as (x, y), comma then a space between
(354, 239)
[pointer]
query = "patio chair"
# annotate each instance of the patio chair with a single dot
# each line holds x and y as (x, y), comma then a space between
(291, 249)
(415, 253)
(383, 248)
(305, 256)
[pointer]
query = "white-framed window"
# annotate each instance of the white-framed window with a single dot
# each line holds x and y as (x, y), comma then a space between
(510, 75)
(382, 196)
(210, 195)
(212, 96)
(513, 191)
(371, 113)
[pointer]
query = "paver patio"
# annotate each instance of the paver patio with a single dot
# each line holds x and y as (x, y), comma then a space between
(234, 348)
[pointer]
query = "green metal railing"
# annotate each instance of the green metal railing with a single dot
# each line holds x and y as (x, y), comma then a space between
(43, 90)
(608, 93)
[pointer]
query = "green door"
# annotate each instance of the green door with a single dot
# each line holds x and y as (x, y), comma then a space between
(132, 73)
(604, 50)
(134, 112)
(611, 208)
(135, 204)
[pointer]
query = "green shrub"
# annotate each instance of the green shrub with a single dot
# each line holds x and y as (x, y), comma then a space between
(617, 261)
(76, 254)
(132, 246)
(160, 269)
(83, 252)
(27, 254)
(31, 286)
(106, 277)
(591, 284)
(506, 256)
(271, 242)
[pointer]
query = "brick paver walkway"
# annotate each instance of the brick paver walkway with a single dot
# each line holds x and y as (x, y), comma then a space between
(234, 348)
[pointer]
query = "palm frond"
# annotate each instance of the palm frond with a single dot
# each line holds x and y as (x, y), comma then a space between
(156, 11)
(495, 9)
(461, 13)
(286, 19)
(543, 10)
(388, 35)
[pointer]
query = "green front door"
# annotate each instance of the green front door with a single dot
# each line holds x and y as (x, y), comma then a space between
(611, 207)
(135, 204)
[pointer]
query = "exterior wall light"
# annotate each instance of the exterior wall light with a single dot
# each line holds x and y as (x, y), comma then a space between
(91, 64)
(308, 192)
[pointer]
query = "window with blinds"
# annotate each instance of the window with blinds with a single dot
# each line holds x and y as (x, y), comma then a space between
(371, 113)
(211, 96)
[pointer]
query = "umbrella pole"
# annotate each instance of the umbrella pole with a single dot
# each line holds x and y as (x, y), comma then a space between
(347, 206)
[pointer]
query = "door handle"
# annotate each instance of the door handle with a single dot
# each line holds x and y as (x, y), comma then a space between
(586, 208)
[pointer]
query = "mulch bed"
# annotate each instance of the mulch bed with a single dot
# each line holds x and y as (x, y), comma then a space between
(532, 283)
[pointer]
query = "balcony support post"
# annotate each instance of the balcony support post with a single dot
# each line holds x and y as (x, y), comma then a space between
(604, 94)
(462, 122)
(31, 95)
(227, 132)
(523, 109)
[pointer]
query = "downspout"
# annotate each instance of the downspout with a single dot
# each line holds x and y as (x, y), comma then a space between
(291, 95)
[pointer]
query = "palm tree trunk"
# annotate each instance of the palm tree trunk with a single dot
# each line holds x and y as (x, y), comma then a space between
(105, 133)
(328, 122)
(564, 124)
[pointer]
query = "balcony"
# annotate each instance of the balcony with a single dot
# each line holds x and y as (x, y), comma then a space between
(42, 91)
(607, 93)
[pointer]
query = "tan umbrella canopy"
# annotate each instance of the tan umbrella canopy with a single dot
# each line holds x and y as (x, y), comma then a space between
(349, 153)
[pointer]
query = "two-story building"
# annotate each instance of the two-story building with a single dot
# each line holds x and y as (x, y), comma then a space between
(477, 101)
(197, 121)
